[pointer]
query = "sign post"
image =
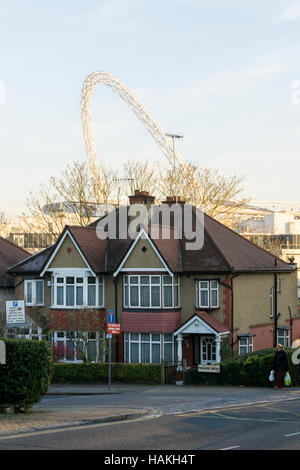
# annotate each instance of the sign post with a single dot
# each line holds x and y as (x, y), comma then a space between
(112, 329)
(2, 352)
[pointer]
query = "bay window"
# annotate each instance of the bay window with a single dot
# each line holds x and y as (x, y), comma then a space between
(34, 292)
(151, 291)
(207, 294)
(77, 292)
(148, 347)
(73, 345)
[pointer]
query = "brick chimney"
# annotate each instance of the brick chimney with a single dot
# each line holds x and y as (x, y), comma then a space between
(172, 200)
(141, 197)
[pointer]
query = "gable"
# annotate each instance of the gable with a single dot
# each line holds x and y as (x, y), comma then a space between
(67, 256)
(143, 256)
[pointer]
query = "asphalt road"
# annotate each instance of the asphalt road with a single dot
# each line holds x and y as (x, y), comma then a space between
(257, 427)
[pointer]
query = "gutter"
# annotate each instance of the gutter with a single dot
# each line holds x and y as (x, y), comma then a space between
(232, 311)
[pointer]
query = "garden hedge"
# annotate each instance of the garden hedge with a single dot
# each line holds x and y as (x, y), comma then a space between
(25, 377)
(98, 373)
(251, 369)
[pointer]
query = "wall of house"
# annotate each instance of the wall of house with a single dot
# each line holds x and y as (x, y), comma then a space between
(68, 256)
(252, 306)
(142, 259)
(188, 296)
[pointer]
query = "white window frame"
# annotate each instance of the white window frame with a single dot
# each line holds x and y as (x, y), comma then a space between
(204, 340)
(209, 288)
(272, 302)
(76, 274)
(175, 285)
(284, 337)
(127, 284)
(128, 341)
(33, 283)
(248, 346)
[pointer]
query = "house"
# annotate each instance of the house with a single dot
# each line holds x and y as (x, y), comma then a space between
(173, 303)
(9, 254)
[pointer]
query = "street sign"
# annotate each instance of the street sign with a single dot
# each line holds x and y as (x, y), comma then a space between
(2, 352)
(213, 368)
(15, 313)
(114, 328)
(111, 316)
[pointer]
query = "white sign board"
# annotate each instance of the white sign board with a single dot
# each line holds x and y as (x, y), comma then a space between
(214, 368)
(2, 353)
(15, 312)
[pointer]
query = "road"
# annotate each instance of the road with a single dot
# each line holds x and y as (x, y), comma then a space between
(262, 426)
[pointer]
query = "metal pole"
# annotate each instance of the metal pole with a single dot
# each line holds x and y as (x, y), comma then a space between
(109, 363)
(275, 310)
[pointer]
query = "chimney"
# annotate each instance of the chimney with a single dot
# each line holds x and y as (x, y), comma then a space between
(173, 200)
(141, 197)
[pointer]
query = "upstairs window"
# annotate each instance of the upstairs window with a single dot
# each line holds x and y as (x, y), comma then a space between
(78, 292)
(207, 294)
(34, 292)
(151, 291)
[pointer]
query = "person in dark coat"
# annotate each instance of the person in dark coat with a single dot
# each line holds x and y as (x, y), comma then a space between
(280, 366)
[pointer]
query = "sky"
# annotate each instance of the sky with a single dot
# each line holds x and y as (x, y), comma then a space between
(225, 73)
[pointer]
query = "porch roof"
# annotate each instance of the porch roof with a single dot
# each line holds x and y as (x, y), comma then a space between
(208, 324)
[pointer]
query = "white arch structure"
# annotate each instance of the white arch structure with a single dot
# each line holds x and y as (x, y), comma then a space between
(133, 102)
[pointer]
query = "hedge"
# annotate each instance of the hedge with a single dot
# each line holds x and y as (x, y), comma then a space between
(251, 369)
(98, 373)
(25, 377)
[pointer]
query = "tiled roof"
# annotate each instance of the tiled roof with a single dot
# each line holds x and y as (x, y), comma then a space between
(223, 251)
(32, 264)
(212, 322)
(9, 254)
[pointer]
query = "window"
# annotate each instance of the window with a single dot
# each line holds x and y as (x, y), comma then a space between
(148, 347)
(207, 294)
(67, 346)
(151, 291)
(27, 333)
(271, 301)
(77, 292)
(283, 337)
(34, 292)
(245, 344)
(208, 350)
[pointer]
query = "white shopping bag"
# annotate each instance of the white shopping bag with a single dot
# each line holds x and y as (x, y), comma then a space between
(272, 376)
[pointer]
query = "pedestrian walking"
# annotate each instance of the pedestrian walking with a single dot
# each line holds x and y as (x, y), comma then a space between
(280, 366)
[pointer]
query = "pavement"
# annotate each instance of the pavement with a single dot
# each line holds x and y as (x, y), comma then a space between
(44, 417)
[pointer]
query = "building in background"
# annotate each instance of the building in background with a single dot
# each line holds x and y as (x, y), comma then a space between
(274, 224)
(36, 233)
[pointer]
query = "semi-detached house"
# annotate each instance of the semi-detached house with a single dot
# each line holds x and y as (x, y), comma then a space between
(172, 303)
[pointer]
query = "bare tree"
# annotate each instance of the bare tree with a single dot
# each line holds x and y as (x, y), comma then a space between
(4, 227)
(68, 199)
(219, 196)
(140, 175)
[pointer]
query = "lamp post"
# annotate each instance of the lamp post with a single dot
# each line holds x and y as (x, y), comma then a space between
(173, 137)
